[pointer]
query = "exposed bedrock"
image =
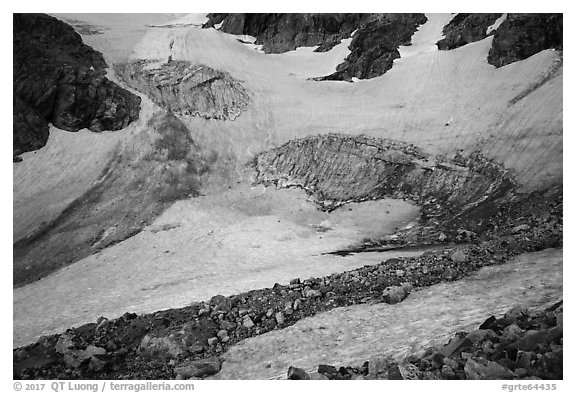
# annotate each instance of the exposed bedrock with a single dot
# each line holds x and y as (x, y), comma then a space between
(466, 28)
(57, 79)
(373, 48)
(518, 37)
(147, 174)
(278, 33)
(375, 45)
(187, 89)
(337, 169)
(523, 35)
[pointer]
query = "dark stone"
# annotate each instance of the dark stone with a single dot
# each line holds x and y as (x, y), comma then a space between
(221, 303)
(58, 79)
(327, 370)
(487, 324)
(344, 372)
(394, 373)
(455, 347)
(296, 373)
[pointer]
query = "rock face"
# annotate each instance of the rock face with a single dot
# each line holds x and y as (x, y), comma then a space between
(523, 35)
(375, 46)
(336, 169)
(188, 89)
(280, 33)
(373, 49)
(59, 80)
(466, 28)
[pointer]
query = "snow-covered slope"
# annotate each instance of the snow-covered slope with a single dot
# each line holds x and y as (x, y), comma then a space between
(442, 101)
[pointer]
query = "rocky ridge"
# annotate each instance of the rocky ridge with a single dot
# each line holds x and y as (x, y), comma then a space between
(518, 37)
(187, 89)
(523, 35)
(374, 44)
(60, 80)
(466, 28)
(279, 33)
(522, 344)
(187, 342)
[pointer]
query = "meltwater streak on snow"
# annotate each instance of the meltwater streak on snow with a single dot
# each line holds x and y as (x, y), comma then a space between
(348, 336)
(496, 24)
(425, 38)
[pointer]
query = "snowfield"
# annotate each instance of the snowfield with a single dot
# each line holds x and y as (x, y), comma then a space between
(237, 237)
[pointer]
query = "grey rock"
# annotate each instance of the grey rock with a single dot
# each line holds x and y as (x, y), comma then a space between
(378, 364)
(198, 369)
(221, 303)
(480, 368)
(297, 304)
(458, 256)
(313, 293)
(520, 228)
(455, 346)
(247, 322)
(279, 318)
(512, 333)
(480, 335)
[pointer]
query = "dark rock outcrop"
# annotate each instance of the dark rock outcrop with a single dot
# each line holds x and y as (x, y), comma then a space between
(278, 33)
(188, 89)
(375, 46)
(60, 80)
(523, 35)
(466, 28)
(373, 49)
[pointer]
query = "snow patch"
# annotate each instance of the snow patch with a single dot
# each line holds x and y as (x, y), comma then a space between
(425, 38)
(189, 20)
(496, 24)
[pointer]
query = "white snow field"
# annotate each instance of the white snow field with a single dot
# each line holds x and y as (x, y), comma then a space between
(236, 237)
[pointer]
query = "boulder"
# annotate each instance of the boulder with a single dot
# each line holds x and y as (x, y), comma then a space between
(198, 369)
(297, 373)
(247, 322)
(458, 256)
(455, 346)
(480, 368)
